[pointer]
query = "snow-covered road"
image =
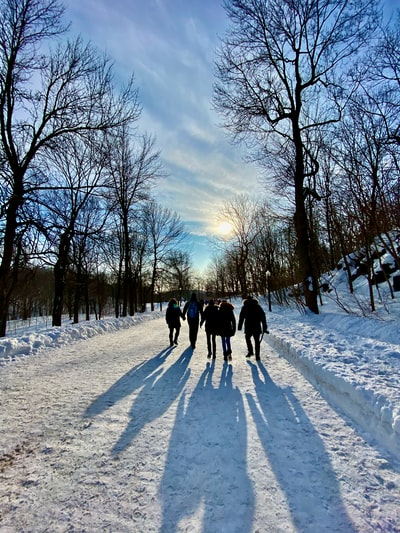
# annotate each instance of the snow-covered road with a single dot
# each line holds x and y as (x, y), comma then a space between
(121, 433)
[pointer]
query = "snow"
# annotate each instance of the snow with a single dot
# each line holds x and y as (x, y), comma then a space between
(107, 428)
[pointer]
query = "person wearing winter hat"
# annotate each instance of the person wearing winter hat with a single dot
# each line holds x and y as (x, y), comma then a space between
(255, 323)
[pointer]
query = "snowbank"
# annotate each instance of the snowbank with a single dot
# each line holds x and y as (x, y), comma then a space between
(12, 348)
(349, 363)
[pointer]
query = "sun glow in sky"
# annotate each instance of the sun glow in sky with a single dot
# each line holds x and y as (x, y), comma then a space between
(170, 47)
(224, 228)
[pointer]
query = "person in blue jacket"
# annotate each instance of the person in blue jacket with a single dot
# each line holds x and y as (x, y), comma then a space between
(193, 309)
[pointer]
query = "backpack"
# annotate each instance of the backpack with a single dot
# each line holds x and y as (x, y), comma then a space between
(192, 311)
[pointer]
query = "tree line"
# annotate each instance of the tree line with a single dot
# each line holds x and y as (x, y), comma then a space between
(311, 87)
(76, 175)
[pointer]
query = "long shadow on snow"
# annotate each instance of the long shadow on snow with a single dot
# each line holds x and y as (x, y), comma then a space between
(205, 470)
(159, 391)
(298, 457)
(128, 383)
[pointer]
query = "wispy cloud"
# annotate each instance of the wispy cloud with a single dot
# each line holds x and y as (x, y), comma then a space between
(170, 47)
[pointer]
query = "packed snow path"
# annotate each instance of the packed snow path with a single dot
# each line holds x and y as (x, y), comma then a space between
(121, 433)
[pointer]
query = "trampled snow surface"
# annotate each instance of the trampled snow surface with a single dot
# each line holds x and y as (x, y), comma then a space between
(107, 428)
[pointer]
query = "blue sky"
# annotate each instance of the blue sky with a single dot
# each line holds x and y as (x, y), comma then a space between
(170, 46)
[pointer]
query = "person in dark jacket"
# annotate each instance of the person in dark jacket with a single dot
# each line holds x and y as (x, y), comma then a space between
(210, 318)
(193, 310)
(227, 327)
(255, 323)
(173, 318)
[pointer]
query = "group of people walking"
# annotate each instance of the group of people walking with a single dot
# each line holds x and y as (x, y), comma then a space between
(219, 319)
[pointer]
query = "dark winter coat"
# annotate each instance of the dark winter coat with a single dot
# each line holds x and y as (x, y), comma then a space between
(211, 318)
(173, 315)
(227, 320)
(253, 317)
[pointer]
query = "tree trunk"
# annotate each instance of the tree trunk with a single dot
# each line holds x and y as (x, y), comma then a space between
(307, 272)
(132, 294)
(77, 301)
(153, 287)
(7, 276)
(126, 263)
(60, 271)
(59, 286)
(86, 293)
(118, 294)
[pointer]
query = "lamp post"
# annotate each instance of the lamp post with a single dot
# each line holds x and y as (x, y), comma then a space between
(267, 277)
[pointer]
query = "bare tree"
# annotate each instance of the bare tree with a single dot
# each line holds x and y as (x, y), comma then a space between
(166, 233)
(178, 267)
(278, 83)
(85, 253)
(78, 174)
(135, 165)
(244, 215)
(266, 252)
(45, 95)
(364, 153)
(216, 276)
(384, 70)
